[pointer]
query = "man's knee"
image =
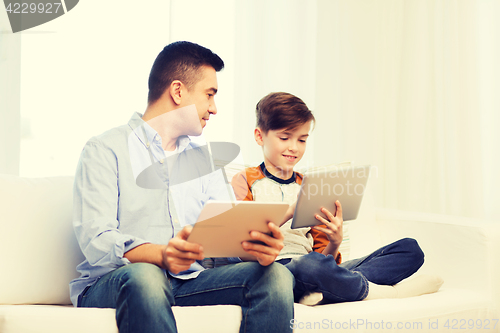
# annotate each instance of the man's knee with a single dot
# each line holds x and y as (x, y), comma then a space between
(278, 283)
(280, 274)
(146, 281)
(276, 278)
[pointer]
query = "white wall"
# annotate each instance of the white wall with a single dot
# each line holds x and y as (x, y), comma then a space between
(10, 73)
(85, 73)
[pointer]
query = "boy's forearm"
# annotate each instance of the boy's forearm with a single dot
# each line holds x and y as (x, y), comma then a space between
(331, 249)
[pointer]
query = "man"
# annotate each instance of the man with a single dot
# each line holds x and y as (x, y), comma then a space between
(140, 187)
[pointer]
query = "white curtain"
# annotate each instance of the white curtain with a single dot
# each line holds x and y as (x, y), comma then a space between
(409, 86)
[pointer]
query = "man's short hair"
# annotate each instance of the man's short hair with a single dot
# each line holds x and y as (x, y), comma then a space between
(281, 110)
(180, 61)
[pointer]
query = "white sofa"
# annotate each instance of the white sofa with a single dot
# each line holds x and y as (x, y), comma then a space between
(39, 255)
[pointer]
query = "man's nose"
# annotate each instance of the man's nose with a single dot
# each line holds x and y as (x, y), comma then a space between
(212, 108)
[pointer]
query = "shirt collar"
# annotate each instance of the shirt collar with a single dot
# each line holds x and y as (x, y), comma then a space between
(146, 134)
(276, 179)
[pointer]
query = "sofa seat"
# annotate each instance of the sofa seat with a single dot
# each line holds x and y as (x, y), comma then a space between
(438, 312)
(68, 319)
(414, 314)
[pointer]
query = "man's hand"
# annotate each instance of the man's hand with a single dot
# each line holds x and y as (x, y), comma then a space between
(265, 253)
(334, 228)
(180, 254)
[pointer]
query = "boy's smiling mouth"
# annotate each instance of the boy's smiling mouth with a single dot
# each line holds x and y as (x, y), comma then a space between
(290, 157)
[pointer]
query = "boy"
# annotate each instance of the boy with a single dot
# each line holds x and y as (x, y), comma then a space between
(311, 254)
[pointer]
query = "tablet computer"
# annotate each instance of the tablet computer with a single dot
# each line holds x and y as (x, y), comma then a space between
(322, 188)
(223, 225)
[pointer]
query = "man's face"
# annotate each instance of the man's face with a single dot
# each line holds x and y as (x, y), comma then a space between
(202, 95)
(284, 148)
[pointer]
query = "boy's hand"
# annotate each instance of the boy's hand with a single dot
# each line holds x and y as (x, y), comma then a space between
(334, 223)
(180, 254)
(265, 253)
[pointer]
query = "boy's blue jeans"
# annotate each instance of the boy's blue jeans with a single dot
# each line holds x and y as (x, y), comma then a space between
(315, 272)
(143, 296)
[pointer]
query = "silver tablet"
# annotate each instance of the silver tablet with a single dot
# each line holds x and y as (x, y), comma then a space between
(223, 225)
(322, 188)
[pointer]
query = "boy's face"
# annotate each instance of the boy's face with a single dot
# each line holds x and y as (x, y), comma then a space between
(283, 148)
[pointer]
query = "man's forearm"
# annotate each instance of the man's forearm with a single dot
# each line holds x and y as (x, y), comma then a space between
(148, 253)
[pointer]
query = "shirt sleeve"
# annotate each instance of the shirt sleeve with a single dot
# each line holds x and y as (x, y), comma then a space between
(95, 208)
(241, 187)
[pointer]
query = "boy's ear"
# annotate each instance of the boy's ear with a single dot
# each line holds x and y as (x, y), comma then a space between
(175, 91)
(257, 133)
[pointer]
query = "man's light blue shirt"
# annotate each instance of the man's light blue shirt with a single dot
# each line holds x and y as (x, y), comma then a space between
(125, 196)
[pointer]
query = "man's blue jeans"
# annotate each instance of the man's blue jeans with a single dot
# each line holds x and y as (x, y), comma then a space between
(143, 296)
(315, 272)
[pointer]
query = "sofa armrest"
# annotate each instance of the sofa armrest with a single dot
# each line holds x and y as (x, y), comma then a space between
(464, 251)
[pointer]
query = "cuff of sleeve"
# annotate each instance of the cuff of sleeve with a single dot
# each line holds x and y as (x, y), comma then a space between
(234, 260)
(338, 259)
(124, 245)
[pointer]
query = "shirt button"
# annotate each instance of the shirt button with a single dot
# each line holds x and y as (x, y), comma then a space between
(161, 161)
(147, 144)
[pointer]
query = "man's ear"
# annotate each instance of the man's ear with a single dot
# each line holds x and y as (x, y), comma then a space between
(175, 91)
(257, 133)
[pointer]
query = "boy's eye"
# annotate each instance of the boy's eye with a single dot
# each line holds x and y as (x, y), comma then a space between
(302, 140)
(284, 139)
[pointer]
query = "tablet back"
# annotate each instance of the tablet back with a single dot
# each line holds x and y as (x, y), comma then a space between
(222, 225)
(322, 188)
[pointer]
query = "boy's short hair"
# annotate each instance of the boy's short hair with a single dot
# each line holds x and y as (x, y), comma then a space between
(180, 61)
(280, 110)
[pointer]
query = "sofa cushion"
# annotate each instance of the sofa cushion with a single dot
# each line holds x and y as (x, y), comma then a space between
(438, 312)
(38, 246)
(448, 310)
(64, 319)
